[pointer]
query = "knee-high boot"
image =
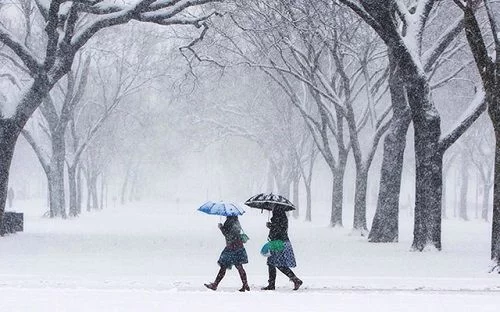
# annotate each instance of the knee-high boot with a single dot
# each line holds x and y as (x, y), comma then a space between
(272, 278)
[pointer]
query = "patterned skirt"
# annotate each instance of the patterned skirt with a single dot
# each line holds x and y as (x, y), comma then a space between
(230, 257)
(284, 258)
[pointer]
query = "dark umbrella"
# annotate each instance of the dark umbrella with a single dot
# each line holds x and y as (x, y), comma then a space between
(269, 202)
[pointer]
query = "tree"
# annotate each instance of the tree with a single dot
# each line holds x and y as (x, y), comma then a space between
(56, 111)
(120, 70)
(489, 71)
(309, 53)
(481, 151)
(68, 26)
(404, 42)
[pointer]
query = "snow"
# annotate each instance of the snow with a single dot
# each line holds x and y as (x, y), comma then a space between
(156, 257)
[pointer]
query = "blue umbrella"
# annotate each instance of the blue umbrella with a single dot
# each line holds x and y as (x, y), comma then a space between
(221, 209)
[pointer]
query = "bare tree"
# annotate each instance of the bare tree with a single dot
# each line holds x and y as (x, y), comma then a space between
(307, 52)
(404, 42)
(56, 112)
(481, 152)
(68, 26)
(489, 70)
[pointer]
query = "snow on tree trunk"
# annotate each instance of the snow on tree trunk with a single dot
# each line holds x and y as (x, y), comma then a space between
(337, 197)
(385, 225)
(495, 229)
(8, 137)
(359, 223)
(73, 205)
(429, 165)
(57, 196)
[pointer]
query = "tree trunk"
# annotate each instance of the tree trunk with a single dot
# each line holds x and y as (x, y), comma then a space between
(124, 187)
(337, 197)
(95, 199)
(8, 137)
(89, 197)
(385, 225)
(464, 187)
(103, 186)
(49, 192)
(495, 229)
(79, 190)
(57, 198)
(296, 212)
(133, 187)
(308, 203)
(429, 166)
(359, 223)
(486, 202)
(73, 205)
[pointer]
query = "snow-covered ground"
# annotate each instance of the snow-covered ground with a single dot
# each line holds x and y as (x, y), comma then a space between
(156, 257)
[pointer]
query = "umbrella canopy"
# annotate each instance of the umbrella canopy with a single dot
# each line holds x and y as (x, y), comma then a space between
(221, 209)
(269, 202)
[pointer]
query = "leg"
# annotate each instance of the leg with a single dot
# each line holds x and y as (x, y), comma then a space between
(243, 276)
(218, 278)
(272, 278)
(288, 272)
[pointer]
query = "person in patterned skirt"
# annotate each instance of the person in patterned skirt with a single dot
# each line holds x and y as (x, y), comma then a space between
(283, 259)
(233, 254)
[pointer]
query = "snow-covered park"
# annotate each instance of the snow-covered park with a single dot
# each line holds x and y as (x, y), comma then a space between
(362, 137)
(148, 258)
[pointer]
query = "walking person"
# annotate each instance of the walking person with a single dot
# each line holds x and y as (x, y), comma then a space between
(283, 259)
(233, 254)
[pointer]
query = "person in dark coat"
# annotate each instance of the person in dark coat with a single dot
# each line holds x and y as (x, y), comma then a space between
(283, 259)
(233, 254)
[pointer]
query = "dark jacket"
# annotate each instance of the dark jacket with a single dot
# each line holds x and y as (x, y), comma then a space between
(231, 229)
(278, 227)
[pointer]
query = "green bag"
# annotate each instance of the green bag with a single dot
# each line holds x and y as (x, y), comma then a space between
(244, 238)
(276, 245)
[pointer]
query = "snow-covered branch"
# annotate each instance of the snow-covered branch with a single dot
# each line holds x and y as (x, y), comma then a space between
(20, 50)
(433, 53)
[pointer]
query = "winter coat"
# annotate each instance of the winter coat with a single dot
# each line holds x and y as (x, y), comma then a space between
(278, 227)
(231, 229)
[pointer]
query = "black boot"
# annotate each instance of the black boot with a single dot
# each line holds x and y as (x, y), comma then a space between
(272, 278)
(269, 287)
(296, 281)
(218, 278)
(211, 286)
